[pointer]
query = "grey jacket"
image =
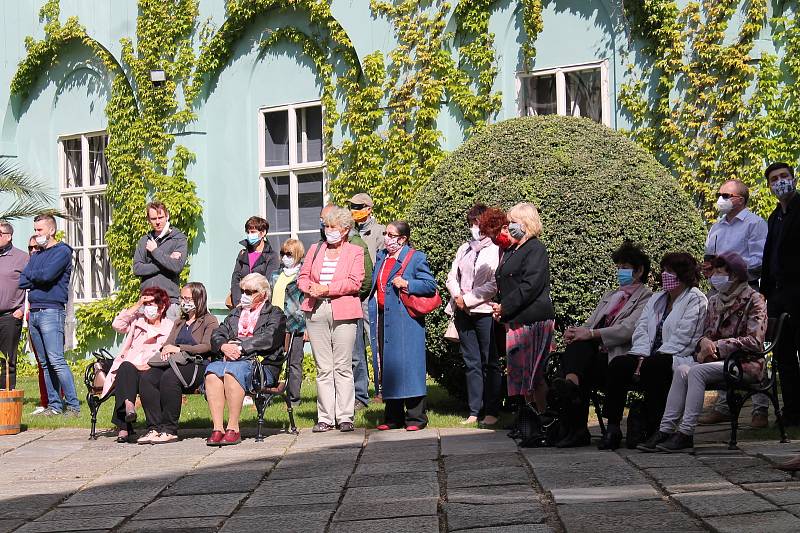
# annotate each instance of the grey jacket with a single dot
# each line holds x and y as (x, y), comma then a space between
(159, 268)
(372, 233)
(617, 336)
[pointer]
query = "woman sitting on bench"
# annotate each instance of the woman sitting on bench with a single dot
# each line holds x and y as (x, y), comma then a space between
(255, 328)
(736, 322)
(161, 387)
(146, 329)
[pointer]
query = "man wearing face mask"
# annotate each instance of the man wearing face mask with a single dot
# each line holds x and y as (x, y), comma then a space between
(161, 255)
(257, 256)
(780, 281)
(46, 277)
(742, 232)
(366, 225)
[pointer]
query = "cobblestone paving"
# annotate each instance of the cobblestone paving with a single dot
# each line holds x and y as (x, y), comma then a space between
(434, 480)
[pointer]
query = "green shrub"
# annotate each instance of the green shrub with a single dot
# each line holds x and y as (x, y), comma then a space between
(593, 186)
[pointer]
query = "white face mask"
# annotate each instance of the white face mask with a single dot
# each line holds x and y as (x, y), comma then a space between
(476, 233)
(150, 312)
(41, 240)
(333, 236)
(721, 282)
(287, 261)
(246, 300)
(724, 206)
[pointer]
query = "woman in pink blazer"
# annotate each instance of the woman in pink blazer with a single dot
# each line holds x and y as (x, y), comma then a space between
(331, 281)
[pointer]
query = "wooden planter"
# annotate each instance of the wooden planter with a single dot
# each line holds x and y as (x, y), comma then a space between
(10, 411)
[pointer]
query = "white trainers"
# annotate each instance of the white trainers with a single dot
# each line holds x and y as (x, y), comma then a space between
(164, 438)
(39, 410)
(148, 437)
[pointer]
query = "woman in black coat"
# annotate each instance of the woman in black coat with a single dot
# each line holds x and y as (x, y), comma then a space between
(257, 257)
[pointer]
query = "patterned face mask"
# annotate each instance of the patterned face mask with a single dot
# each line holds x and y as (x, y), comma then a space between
(783, 188)
(669, 281)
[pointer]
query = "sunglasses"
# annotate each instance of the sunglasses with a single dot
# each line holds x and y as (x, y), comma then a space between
(727, 196)
(287, 254)
(358, 207)
(250, 292)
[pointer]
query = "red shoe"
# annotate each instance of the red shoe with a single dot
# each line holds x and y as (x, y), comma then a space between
(216, 438)
(386, 427)
(413, 428)
(231, 437)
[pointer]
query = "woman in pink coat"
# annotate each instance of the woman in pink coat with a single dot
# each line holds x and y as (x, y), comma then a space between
(331, 281)
(146, 328)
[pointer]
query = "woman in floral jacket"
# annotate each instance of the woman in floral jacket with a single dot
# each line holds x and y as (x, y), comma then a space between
(736, 321)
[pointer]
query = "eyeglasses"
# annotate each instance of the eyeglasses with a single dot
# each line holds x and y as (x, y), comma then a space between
(250, 292)
(393, 235)
(727, 196)
(185, 300)
(358, 207)
(287, 254)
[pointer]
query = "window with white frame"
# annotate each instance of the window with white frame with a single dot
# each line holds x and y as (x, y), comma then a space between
(292, 171)
(578, 90)
(84, 178)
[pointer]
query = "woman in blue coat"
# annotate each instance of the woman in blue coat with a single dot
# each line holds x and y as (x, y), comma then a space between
(398, 341)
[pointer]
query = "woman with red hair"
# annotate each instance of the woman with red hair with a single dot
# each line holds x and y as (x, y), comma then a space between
(146, 328)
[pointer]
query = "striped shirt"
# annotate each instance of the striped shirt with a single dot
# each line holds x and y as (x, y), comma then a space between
(328, 269)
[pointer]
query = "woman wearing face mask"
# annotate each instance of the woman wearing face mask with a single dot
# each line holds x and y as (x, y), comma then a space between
(472, 287)
(257, 256)
(146, 329)
(605, 335)
(396, 337)
(161, 388)
(736, 322)
(665, 336)
(330, 282)
(287, 295)
(253, 329)
(523, 303)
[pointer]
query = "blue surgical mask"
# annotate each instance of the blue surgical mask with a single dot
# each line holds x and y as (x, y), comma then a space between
(253, 238)
(516, 231)
(624, 276)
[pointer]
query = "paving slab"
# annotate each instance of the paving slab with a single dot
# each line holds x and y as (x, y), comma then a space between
(455, 463)
(307, 523)
(782, 493)
(75, 524)
(118, 490)
(614, 517)
(519, 528)
(7, 525)
(288, 510)
(417, 524)
(467, 516)
(493, 494)
(510, 475)
(396, 467)
(723, 502)
(605, 494)
(393, 478)
(355, 511)
(661, 460)
(420, 453)
(689, 479)
(191, 506)
(391, 493)
(312, 485)
(587, 475)
(91, 511)
(773, 522)
(257, 500)
(216, 482)
(205, 524)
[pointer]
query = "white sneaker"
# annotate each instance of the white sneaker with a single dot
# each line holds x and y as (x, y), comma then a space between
(38, 410)
(148, 438)
(248, 401)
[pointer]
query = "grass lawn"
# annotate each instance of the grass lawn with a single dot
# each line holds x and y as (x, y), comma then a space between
(443, 411)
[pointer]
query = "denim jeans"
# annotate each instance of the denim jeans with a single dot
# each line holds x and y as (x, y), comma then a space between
(46, 328)
(360, 374)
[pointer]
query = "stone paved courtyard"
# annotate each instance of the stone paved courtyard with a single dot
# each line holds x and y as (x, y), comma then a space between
(435, 480)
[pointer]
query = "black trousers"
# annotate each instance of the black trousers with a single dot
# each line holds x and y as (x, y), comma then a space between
(126, 387)
(10, 331)
(161, 392)
(480, 358)
(405, 412)
(655, 380)
(585, 360)
(787, 300)
(296, 367)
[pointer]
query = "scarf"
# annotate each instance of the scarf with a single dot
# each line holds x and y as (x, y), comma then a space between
(466, 266)
(248, 320)
(726, 298)
(618, 301)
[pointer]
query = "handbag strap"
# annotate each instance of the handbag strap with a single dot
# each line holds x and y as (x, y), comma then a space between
(174, 366)
(406, 261)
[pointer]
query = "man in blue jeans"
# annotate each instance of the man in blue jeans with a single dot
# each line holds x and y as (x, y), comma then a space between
(46, 277)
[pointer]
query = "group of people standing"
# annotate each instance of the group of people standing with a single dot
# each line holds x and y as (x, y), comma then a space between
(353, 286)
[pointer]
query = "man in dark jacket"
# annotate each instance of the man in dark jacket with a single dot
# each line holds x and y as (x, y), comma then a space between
(161, 255)
(12, 301)
(46, 277)
(780, 281)
(257, 256)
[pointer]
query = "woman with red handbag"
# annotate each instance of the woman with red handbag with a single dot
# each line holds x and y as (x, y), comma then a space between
(403, 291)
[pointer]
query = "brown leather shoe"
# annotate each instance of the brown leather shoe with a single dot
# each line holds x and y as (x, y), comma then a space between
(759, 420)
(792, 465)
(713, 417)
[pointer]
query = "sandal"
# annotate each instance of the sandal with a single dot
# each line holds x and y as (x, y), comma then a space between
(123, 437)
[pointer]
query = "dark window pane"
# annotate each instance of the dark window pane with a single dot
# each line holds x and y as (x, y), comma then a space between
(309, 199)
(73, 205)
(540, 95)
(99, 218)
(98, 169)
(276, 134)
(78, 272)
(73, 164)
(314, 133)
(278, 203)
(584, 94)
(308, 239)
(298, 117)
(101, 273)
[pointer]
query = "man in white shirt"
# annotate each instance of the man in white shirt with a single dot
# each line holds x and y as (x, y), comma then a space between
(741, 231)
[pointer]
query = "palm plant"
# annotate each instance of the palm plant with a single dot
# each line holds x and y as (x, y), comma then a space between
(29, 196)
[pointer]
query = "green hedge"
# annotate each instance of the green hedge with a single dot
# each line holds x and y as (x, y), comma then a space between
(593, 186)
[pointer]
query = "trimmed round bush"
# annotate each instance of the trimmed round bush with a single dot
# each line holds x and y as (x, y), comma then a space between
(593, 187)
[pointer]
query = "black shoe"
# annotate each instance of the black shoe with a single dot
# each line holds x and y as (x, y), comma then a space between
(346, 427)
(612, 439)
(321, 427)
(650, 445)
(678, 442)
(575, 439)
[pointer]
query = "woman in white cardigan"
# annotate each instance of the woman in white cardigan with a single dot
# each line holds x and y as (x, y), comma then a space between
(472, 286)
(665, 336)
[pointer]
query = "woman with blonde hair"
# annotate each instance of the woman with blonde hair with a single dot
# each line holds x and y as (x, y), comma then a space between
(254, 329)
(286, 295)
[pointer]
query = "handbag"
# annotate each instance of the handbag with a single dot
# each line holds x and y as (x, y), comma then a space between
(451, 333)
(180, 358)
(417, 306)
